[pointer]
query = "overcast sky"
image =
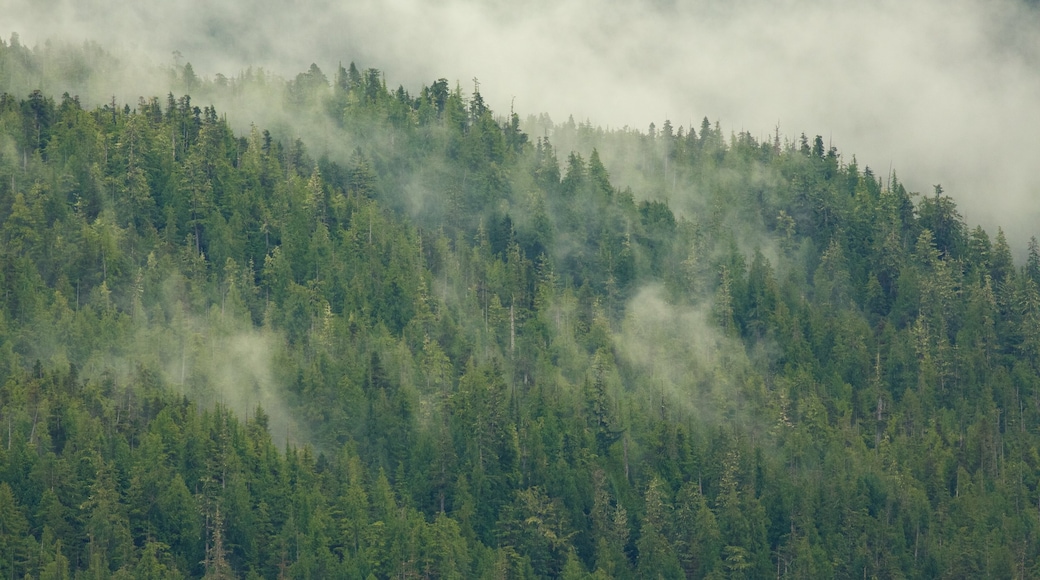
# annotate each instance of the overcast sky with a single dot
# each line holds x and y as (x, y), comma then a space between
(942, 91)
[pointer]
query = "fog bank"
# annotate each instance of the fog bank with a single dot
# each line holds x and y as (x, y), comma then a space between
(940, 91)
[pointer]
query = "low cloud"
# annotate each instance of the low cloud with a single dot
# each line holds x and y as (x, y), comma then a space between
(216, 357)
(693, 366)
(939, 91)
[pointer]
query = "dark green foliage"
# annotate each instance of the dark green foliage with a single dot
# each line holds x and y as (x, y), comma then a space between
(441, 354)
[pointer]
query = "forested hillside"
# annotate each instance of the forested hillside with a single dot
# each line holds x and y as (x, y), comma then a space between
(402, 335)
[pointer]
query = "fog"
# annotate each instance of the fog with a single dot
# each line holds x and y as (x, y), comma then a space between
(942, 92)
(694, 366)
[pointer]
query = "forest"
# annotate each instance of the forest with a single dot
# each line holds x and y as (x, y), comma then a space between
(397, 334)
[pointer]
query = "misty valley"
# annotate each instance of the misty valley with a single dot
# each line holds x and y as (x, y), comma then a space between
(325, 327)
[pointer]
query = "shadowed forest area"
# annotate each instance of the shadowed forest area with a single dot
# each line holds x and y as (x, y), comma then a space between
(400, 335)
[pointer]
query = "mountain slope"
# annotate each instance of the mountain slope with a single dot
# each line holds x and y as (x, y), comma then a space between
(398, 335)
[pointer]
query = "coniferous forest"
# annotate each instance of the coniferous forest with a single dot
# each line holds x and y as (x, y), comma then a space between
(400, 335)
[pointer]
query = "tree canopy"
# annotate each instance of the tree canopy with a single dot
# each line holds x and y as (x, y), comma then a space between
(428, 340)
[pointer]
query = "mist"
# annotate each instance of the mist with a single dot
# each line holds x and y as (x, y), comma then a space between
(940, 92)
(695, 368)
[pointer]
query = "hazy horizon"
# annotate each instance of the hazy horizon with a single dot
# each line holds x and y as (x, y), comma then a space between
(942, 92)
